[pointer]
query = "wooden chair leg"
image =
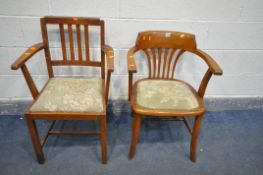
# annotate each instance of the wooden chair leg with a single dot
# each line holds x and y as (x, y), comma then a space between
(103, 140)
(195, 134)
(136, 124)
(35, 140)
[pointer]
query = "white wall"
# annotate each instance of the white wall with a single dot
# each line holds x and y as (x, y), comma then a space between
(230, 31)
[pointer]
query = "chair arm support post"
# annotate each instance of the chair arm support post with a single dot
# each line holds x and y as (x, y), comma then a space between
(27, 55)
(29, 81)
(204, 82)
(130, 85)
(107, 86)
(110, 67)
(131, 69)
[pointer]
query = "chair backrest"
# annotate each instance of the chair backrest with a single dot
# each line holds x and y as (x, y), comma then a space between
(163, 50)
(73, 25)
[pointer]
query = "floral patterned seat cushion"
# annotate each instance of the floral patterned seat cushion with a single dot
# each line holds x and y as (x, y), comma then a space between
(71, 95)
(165, 94)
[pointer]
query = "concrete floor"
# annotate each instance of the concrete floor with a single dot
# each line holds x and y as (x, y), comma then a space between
(231, 142)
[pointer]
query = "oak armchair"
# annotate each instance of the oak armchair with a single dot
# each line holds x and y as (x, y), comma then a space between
(161, 94)
(69, 98)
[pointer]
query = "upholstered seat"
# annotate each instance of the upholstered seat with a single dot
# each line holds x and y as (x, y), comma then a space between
(165, 94)
(71, 95)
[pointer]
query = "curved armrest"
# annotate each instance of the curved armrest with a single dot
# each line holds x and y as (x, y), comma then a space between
(27, 55)
(213, 66)
(110, 57)
(131, 61)
(20, 63)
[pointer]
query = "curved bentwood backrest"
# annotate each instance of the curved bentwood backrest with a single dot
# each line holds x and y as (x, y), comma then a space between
(73, 28)
(163, 50)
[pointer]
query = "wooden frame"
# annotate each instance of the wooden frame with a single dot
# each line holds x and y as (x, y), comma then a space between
(107, 51)
(165, 48)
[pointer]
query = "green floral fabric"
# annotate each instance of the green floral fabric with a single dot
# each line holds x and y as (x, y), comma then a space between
(71, 95)
(165, 94)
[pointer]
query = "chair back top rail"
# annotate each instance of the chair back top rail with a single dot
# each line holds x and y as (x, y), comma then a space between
(71, 20)
(74, 26)
(166, 39)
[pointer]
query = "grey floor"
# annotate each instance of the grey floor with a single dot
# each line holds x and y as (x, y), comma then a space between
(231, 142)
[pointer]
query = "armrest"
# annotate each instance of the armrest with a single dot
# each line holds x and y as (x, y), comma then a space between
(110, 57)
(27, 55)
(213, 66)
(131, 61)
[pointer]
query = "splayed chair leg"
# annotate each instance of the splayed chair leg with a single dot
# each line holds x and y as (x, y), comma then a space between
(195, 134)
(136, 124)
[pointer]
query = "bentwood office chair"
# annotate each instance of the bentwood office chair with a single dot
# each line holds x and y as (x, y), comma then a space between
(69, 98)
(161, 94)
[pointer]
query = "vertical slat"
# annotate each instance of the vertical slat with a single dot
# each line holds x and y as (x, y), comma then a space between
(154, 62)
(164, 61)
(86, 33)
(149, 62)
(46, 49)
(159, 61)
(63, 43)
(102, 43)
(70, 35)
(79, 42)
(176, 60)
(170, 61)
